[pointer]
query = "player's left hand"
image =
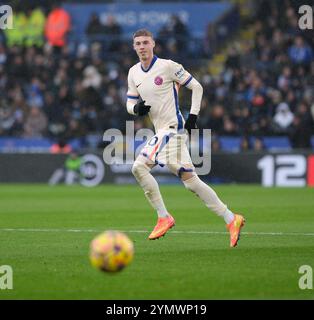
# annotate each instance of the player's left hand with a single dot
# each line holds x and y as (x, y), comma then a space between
(190, 123)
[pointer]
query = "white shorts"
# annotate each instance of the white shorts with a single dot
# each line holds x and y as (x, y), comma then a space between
(169, 148)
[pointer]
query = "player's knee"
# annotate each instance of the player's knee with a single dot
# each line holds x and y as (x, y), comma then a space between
(185, 173)
(136, 169)
(191, 181)
(139, 169)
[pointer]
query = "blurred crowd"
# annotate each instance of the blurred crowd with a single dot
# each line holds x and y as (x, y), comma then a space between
(267, 86)
(52, 89)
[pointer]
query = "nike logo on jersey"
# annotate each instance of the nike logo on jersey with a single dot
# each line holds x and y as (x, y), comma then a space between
(138, 85)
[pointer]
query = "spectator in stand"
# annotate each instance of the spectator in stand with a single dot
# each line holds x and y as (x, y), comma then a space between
(34, 93)
(56, 116)
(210, 41)
(174, 30)
(113, 31)
(302, 128)
(3, 56)
(7, 119)
(16, 35)
(229, 127)
(92, 78)
(215, 144)
(245, 144)
(112, 27)
(233, 58)
(284, 80)
(57, 27)
(283, 118)
(258, 144)
(300, 52)
(36, 124)
(216, 122)
(34, 30)
(75, 130)
(94, 26)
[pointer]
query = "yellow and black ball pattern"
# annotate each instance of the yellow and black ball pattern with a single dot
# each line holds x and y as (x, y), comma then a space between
(111, 251)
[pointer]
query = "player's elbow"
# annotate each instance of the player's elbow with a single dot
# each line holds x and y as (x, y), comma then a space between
(194, 85)
(199, 88)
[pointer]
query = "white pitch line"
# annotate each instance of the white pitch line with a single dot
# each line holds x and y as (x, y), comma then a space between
(146, 231)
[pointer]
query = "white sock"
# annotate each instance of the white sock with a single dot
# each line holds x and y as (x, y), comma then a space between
(151, 189)
(152, 193)
(228, 216)
(209, 196)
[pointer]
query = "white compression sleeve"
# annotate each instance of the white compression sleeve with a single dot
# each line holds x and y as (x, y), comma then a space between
(130, 105)
(150, 186)
(197, 93)
(206, 193)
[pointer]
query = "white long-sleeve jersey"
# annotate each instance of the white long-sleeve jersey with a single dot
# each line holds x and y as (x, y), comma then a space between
(158, 86)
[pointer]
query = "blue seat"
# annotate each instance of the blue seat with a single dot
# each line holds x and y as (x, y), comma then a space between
(21, 144)
(277, 143)
(93, 140)
(75, 144)
(230, 143)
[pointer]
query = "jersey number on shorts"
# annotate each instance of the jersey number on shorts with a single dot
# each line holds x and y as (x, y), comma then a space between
(153, 141)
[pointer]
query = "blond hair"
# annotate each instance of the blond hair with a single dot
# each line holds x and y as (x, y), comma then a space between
(142, 32)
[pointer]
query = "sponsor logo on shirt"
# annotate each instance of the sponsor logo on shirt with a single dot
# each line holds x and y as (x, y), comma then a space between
(179, 74)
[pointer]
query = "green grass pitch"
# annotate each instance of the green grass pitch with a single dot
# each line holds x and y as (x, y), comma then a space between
(45, 234)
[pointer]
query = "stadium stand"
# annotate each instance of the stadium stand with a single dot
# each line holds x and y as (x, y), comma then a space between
(75, 92)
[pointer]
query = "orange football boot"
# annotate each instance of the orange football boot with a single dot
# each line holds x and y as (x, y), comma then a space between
(162, 226)
(234, 228)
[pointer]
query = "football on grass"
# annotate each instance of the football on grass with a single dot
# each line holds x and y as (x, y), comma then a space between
(111, 251)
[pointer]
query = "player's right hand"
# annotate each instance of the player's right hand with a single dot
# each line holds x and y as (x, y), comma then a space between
(190, 123)
(141, 109)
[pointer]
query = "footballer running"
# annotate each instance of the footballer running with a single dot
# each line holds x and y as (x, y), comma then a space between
(153, 85)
